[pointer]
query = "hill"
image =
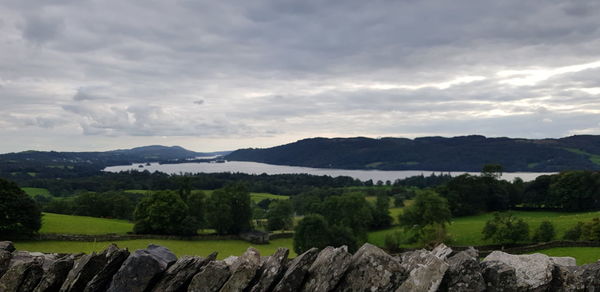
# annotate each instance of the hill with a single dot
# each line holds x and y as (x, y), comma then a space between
(464, 153)
(52, 164)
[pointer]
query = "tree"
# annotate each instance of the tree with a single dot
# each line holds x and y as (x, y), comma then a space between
(348, 210)
(492, 170)
(381, 212)
(574, 233)
(229, 210)
(312, 231)
(428, 208)
(19, 213)
(590, 231)
(196, 202)
(545, 232)
(280, 215)
(163, 213)
(504, 228)
(428, 214)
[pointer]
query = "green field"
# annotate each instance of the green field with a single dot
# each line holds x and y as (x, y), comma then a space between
(37, 192)
(256, 197)
(68, 224)
(225, 248)
(583, 255)
(467, 230)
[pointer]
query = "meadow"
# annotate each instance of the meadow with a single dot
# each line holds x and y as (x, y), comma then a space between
(70, 224)
(466, 231)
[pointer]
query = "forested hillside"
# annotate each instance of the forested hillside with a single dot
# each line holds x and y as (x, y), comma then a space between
(465, 153)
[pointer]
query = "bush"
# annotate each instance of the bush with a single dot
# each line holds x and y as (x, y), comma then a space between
(432, 235)
(505, 228)
(590, 231)
(19, 213)
(164, 213)
(574, 233)
(312, 231)
(544, 233)
(280, 215)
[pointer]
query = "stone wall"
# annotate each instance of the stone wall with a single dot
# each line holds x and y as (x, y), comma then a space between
(331, 269)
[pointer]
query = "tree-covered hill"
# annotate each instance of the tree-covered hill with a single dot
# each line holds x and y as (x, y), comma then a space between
(52, 164)
(464, 153)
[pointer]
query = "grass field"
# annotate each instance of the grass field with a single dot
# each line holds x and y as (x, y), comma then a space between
(467, 230)
(36, 191)
(68, 224)
(256, 197)
(583, 255)
(225, 248)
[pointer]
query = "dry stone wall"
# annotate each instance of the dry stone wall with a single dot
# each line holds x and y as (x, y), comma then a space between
(331, 269)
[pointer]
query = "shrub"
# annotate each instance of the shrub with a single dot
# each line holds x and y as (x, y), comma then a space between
(590, 231)
(545, 232)
(574, 233)
(505, 228)
(312, 231)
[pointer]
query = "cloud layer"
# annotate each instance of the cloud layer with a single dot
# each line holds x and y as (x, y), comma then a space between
(213, 75)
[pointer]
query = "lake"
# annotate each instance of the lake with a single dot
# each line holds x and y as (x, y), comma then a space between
(260, 168)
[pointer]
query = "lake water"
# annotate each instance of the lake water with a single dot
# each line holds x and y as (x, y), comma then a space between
(260, 168)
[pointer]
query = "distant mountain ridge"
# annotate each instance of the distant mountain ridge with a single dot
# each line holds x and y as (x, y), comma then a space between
(462, 153)
(52, 164)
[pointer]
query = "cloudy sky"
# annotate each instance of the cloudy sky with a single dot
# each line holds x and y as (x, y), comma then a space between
(222, 75)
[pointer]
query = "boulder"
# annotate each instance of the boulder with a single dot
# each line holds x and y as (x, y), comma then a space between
(243, 271)
(563, 261)
(5, 258)
(576, 278)
(22, 277)
(464, 272)
(271, 271)
(327, 269)
(372, 269)
(83, 271)
(21, 257)
(7, 246)
(533, 271)
(499, 277)
(296, 272)
(442, 251)
(426, 270)
(141, 268)
(210, 278)
(55, 275)
(114, 259)
(179, 275)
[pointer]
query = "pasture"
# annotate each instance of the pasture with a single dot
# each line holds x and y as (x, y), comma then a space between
(466, 231)
(583, 255)
(69, 224)
(32, 192)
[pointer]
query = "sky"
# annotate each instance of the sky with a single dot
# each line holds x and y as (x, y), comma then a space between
(81, 75)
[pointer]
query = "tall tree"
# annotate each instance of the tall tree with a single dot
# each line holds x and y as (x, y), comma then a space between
(19, 214)
(229, 210)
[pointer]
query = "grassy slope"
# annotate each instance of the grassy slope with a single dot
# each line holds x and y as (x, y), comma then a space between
(179, 247)
(467, 230)
(36, 191)
(68, 224)
(583, 255)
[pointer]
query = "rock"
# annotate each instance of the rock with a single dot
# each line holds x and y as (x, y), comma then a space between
(426, 271)
(372, 269)
(210, 278)
(230, 260)
(55, 275)
(114, 259)
(22, 277)
(327, 269)
(563, 261)
(180, 274)
(499, 277)
(464, 272)
(83, 271)
(243, 271)
(533, 271)
(272, 270)
(5, 258)
(442, 251)
(590, 276)
(576, 278)
(141, 268)
(7, 246)
(293, 278)
(21, 257)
